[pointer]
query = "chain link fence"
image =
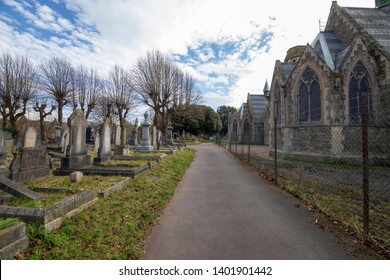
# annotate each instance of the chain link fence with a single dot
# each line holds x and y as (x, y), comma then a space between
(342, 170)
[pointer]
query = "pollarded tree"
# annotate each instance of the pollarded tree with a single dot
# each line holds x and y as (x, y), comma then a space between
(88, 89)
(18, 86)
(120, 93)
(57, 79)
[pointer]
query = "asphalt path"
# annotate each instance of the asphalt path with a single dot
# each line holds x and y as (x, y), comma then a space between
(222, 210)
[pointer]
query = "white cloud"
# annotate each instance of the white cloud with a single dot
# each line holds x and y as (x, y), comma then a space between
(104, 33)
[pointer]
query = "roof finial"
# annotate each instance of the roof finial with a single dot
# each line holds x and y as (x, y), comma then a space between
(266, 89)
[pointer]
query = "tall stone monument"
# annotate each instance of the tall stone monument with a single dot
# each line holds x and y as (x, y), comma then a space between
(145, 141)
(169, 140)
(104, 151)
(76, 152)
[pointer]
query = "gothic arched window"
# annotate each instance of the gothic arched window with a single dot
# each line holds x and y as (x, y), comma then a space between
(309, 97)
(246, 127)
(277, 103)
(359, 83)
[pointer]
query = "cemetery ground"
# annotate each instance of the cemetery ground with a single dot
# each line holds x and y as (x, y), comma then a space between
(113, 227)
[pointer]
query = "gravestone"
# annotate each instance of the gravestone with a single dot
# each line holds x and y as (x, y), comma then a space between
(122, 148)
(64, 139)
(104, 151)
(117, 137)
(31, 160)
(134, 134)
(57, 134)
(169, 134)
(96, 141)
(76, 152)
(3, 154)
(154, 136)
(145, 142)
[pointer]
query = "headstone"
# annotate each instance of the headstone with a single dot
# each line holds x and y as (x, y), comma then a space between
(169, 134)
(8, 142)
(3, 153)
(30, 138)
(145, 142)
(154, 136)
(64, 139)
(117, 138)
(104, 151)
(134, 134)
(29, 161)
(122, 149)
(96, 141)
(76, 152)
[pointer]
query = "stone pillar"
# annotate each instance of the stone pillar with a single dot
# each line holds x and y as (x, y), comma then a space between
(104, 151)
(169, 134)
(145, 142)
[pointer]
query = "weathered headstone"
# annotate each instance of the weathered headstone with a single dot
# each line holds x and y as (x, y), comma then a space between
(154, 136)
(30, 138)
(122, 148)
(57, 134)
(29, 161)
(64, 139)
(117, 137)
(96, 140)
(104, 151)
(169, 134)
(76, 152)
(3, 154)
(145, 142)
(134, 134)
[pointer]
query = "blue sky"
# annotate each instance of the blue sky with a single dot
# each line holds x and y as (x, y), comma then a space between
(228, 46)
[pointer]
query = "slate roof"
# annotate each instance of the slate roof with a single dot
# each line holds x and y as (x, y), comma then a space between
(375, 22)
(258, 105)
(331, 49)
(288, 68)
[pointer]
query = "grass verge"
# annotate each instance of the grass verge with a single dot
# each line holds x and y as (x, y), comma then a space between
(115, 227)
(4, 223)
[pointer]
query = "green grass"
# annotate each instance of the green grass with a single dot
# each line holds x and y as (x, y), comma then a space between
(4, 223)
(114, 227)
(126, 163)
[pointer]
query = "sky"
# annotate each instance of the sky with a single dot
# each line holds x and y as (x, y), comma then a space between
(228, 46)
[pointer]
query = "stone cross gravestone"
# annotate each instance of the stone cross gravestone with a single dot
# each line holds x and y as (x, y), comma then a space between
(76, 152)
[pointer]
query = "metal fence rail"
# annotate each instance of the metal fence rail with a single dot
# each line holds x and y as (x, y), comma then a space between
(349, 180)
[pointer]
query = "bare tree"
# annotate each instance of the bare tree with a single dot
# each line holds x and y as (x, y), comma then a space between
(57, 79)
(43, 113)
(88, 89)
(18, 85)
(162, 86)
(120, 93)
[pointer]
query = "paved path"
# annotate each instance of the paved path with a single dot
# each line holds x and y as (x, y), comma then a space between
(222, 210)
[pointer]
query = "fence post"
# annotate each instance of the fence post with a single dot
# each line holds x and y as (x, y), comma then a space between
(249, 144)
(276, 151)
(365, 166)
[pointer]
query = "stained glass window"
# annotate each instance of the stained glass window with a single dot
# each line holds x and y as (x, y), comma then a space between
(309, 97)
(358, 83)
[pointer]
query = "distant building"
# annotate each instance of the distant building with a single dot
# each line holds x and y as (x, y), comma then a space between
(248, 124)
(316, 92)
